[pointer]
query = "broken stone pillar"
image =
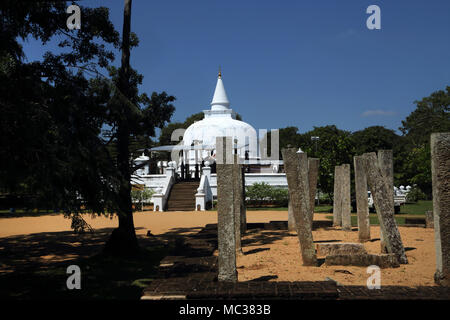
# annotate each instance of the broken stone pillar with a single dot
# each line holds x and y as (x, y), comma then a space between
(440, 169)
(226, 235)
(362, 206)
(386, 162)
(296, 167)
(345, 198)
(313, 173)
(381, 191)
(337, 194)
(333, 248)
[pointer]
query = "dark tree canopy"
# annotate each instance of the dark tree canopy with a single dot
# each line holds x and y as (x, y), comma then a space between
(431, 115)
(375, 138)
(60, 117)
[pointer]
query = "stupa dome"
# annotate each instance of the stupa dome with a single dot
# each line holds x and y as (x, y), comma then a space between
(221, 121)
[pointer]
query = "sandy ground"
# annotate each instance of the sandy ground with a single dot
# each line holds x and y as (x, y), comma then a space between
(276, 255)
(269, 254)
(157, 223)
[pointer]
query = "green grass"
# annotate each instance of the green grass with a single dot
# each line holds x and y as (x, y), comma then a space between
(323, 208)
(418, 208)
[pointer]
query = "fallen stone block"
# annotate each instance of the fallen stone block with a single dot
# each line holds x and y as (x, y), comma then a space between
(332, 248)
(389, 260)
(420, 221)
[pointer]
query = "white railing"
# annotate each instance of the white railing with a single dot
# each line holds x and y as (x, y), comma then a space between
(204, 194)
(165, 184)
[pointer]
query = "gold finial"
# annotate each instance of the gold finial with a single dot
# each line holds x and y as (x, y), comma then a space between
(220, 73)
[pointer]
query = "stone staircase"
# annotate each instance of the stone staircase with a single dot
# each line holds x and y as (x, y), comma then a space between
(182, 196)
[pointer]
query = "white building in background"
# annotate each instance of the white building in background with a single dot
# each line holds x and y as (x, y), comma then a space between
(194, 157)
(221, 121)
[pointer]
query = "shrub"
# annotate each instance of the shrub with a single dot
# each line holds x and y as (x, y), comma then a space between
(262, 193)
(415, 194)
(141, 196)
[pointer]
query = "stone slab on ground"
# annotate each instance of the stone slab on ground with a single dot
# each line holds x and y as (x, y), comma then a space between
(381, 260)
(333, 248)
(196, 278)
(420, 221)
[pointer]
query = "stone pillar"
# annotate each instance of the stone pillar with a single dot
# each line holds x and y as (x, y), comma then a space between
(381, 191)
(243, 207)
(337, 195)
(429, 219)
(345, 197)
(386, 163)
(313, 172)
(296, 167)
(237, 198)
(440, 168)
(291, 219)
(225, 211)
(362, 206)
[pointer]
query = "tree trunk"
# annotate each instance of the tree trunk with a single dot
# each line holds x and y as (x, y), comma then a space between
(123, 240)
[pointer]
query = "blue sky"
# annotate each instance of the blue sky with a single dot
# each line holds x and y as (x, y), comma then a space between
(290, 63)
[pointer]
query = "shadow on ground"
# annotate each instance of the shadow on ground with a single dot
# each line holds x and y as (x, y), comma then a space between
(34, 266)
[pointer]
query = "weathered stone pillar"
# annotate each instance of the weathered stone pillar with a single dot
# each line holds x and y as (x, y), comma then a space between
(381, 191)
(362, 206)
(243, 207)
(429, 219)
(237, 192)
(225, 210)
(337, 196)
(345, 198)
(440, 168)
(313, 173)
(386, 163)
(291, 219)
(296, 167)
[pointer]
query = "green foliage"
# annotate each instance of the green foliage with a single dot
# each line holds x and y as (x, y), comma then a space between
(375, 138)
(52, 114)
(263, 193)
(431, 115)
(335, 147)
(415, 194)
(417, 208)
(61, 119)
(141, 196)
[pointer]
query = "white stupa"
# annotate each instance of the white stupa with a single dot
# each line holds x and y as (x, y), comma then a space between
(219, 121)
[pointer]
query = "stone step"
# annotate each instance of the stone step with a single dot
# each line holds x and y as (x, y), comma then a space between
(182, 196)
